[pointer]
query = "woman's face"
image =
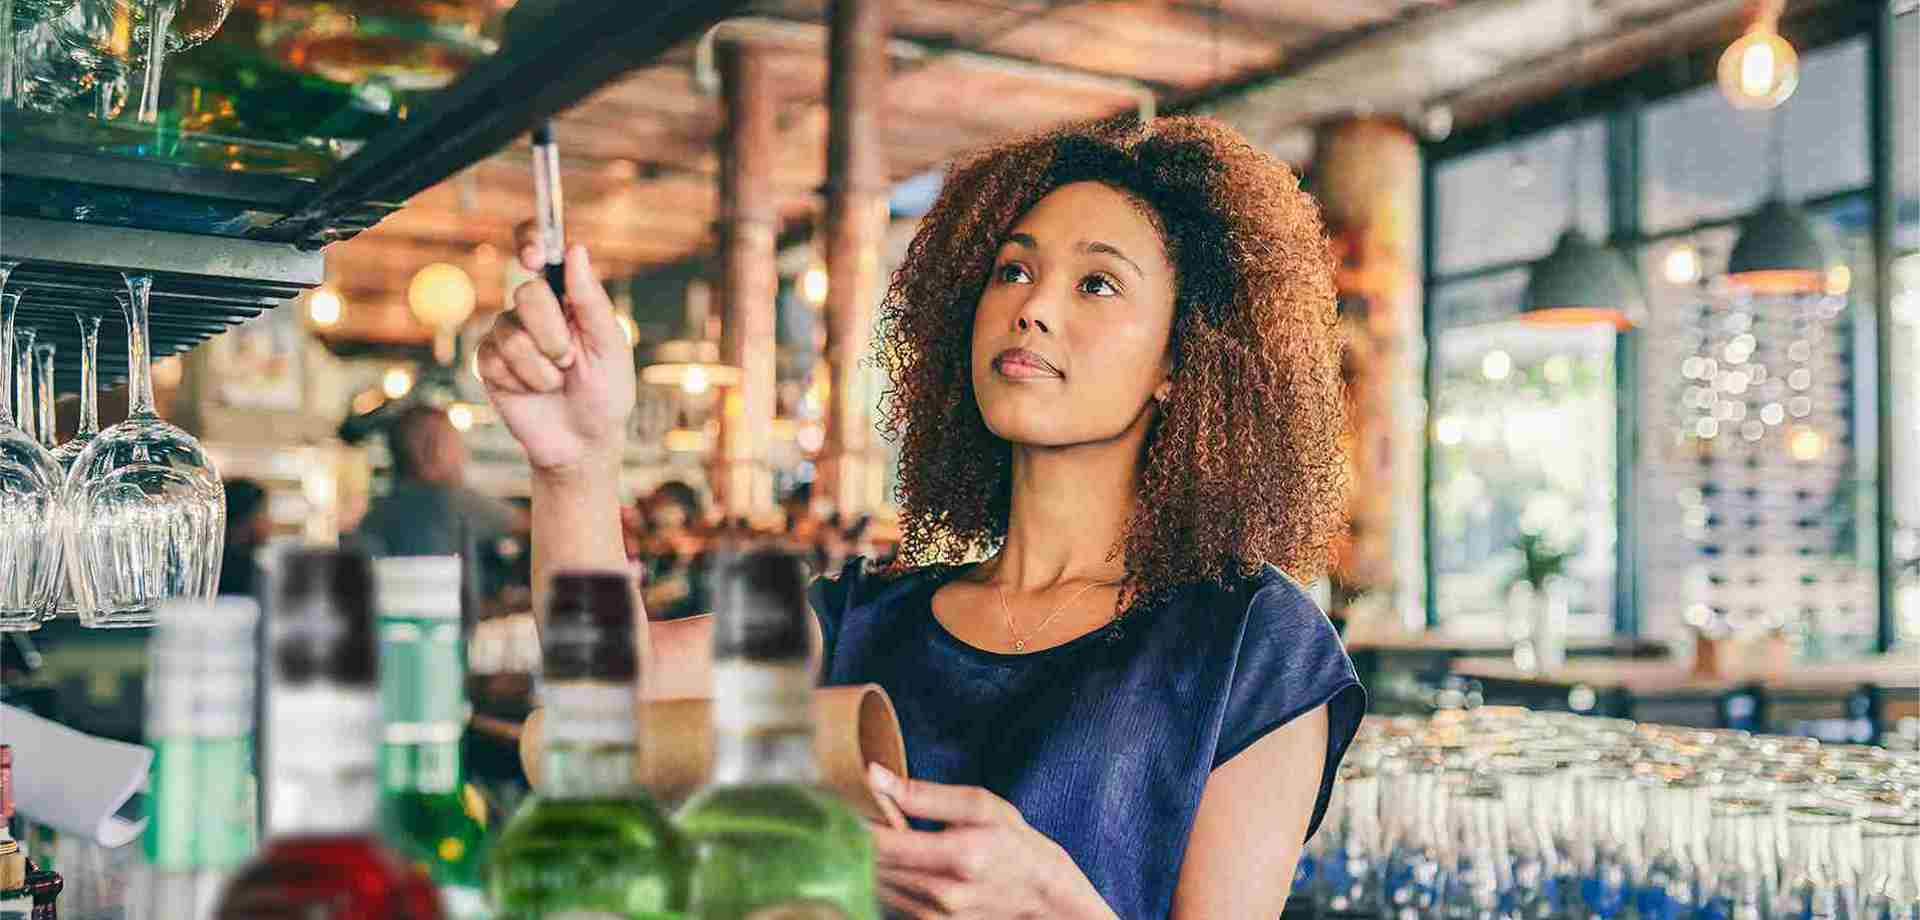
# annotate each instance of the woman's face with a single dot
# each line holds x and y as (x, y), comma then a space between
(1070, 336)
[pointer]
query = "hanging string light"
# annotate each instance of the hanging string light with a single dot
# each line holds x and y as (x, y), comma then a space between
(1760, 69)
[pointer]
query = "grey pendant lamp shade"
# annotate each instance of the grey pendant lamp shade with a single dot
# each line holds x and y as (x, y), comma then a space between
(1582, 282)
(1781, 250)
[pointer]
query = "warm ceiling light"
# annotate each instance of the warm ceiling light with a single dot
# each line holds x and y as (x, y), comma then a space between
(685, 441)
(1496, 365)
(1781, 250)
(813, 284)
(1806, 444)
(1682, 265)
(441, 295)
(1582, 282)
(323, 307)
(1760, 69)
(397, 382)
(460, 415)
(695, 381)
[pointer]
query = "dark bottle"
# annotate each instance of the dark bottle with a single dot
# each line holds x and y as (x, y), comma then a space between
(324, 859)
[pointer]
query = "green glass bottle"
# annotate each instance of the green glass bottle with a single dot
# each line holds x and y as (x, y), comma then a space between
(589, 844)
(766, 837)
(423, 713)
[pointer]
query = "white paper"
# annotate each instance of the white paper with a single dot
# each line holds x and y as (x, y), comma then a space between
(74, 782)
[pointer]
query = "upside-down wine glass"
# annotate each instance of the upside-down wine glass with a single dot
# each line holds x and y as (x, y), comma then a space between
(30, 548)
(88, 426)
(147, 506)
(43, 423)
(163, 27)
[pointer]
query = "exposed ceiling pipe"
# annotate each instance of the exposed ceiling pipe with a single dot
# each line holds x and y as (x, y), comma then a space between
(771, 30)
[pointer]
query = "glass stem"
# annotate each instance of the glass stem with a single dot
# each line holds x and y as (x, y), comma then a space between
(159, 19)
(23, 414)
(139, 370)
(43, 403)
(89, 377)
(8, 302)
(7, 50)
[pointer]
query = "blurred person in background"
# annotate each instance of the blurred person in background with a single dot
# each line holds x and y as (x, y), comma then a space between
(429, 510)
(672, 552)
(247, 530)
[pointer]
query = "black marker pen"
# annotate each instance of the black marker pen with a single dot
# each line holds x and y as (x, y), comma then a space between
(546, 204)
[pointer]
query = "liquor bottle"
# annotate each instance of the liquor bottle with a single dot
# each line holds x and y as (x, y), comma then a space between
(199, 722)
(589, 843)
(42, 884)
(16, 902)
(324, 860)
(767, 838)
(423, 712)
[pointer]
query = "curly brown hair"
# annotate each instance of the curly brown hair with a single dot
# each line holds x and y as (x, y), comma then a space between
(1244, 464)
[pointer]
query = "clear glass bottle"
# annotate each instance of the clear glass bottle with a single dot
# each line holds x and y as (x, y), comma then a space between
(768, 840)
(1416, 873)
(423, 714)
(1608, 849)
(324, 859)
(1815, 878)
(1348, 882)
(1742, 854)
(1892, 886)
(199, 721)
(589, 843)
(1669, 888)
(1530, 789)
(1482, 884)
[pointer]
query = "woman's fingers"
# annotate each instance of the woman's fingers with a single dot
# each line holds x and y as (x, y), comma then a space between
(494, 371)
(940, 802)
(535, 371)
(919, 894)
(592, 308)
(537, 313)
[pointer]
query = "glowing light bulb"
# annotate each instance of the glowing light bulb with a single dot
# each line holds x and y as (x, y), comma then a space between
(397, 382)
(1682, 265)
(1760, 69)
(324, 307)
(1496, 365)
(813, 284)
(460, 415)
(1806, 444)
(695, 382)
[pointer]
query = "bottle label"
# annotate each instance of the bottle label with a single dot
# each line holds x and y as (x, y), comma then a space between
(752, 698)
(588, 713)
(423, 704)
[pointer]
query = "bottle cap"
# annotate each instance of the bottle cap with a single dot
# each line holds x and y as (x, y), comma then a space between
(321, 621)
(589, 629)
(200, 668)
(760, 607)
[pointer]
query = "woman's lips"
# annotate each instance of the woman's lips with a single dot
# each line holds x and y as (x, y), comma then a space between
(1021, 364)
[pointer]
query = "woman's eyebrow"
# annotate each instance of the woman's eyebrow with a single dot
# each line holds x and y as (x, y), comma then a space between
(1026, 241)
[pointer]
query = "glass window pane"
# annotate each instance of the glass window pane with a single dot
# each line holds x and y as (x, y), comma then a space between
(1906, 124)
(1524, 443)
(1755, 470)
(1904, 401)
(1704, 160)
(1509, 203)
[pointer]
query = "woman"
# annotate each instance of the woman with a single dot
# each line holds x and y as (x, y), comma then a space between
(1114, 375)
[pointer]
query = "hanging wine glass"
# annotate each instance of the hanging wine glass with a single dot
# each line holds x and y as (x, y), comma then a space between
(163, 27)
(84, 431)
(147, 506)
(30, 545)
(43, 423)
(18, 20)
(24, 414)
(94, 36)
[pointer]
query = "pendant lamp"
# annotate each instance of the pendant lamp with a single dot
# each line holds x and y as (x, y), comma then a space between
(1781, 250)
(690, 360)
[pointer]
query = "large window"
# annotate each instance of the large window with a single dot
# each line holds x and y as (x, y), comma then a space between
(1753, 418)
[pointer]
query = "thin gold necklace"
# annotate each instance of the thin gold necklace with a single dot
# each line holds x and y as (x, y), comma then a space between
(1019, 641)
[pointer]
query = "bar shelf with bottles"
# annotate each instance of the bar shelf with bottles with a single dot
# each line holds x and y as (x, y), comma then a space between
(1501, 813)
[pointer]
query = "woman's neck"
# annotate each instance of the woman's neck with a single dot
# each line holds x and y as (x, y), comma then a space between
(1070, 508)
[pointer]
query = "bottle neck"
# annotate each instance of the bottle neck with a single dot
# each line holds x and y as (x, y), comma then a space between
(322, 759)
(763, 722)
(592, 731)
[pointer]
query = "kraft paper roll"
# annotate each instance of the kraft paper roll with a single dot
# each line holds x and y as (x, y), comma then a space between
(852, 727)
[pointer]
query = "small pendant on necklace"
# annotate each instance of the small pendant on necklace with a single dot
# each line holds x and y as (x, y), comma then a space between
(1019, 645)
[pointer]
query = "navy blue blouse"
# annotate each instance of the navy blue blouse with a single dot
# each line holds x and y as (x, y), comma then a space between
(1103, 743)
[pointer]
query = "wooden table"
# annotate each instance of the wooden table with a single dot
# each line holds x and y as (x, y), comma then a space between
(1872, 690)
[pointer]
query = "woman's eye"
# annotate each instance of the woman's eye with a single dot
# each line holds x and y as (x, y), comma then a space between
(1011, 273)
(1099, 285)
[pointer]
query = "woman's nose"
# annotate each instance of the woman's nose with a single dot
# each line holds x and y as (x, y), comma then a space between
(1026, 322)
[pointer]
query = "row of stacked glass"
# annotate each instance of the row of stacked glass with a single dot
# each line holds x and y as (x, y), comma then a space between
(1508, 814)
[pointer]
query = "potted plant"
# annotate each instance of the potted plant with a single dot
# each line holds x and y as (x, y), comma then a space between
(1539, 595)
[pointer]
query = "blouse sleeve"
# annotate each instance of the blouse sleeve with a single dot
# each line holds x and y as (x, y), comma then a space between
(828, 596)
(1290, 662)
